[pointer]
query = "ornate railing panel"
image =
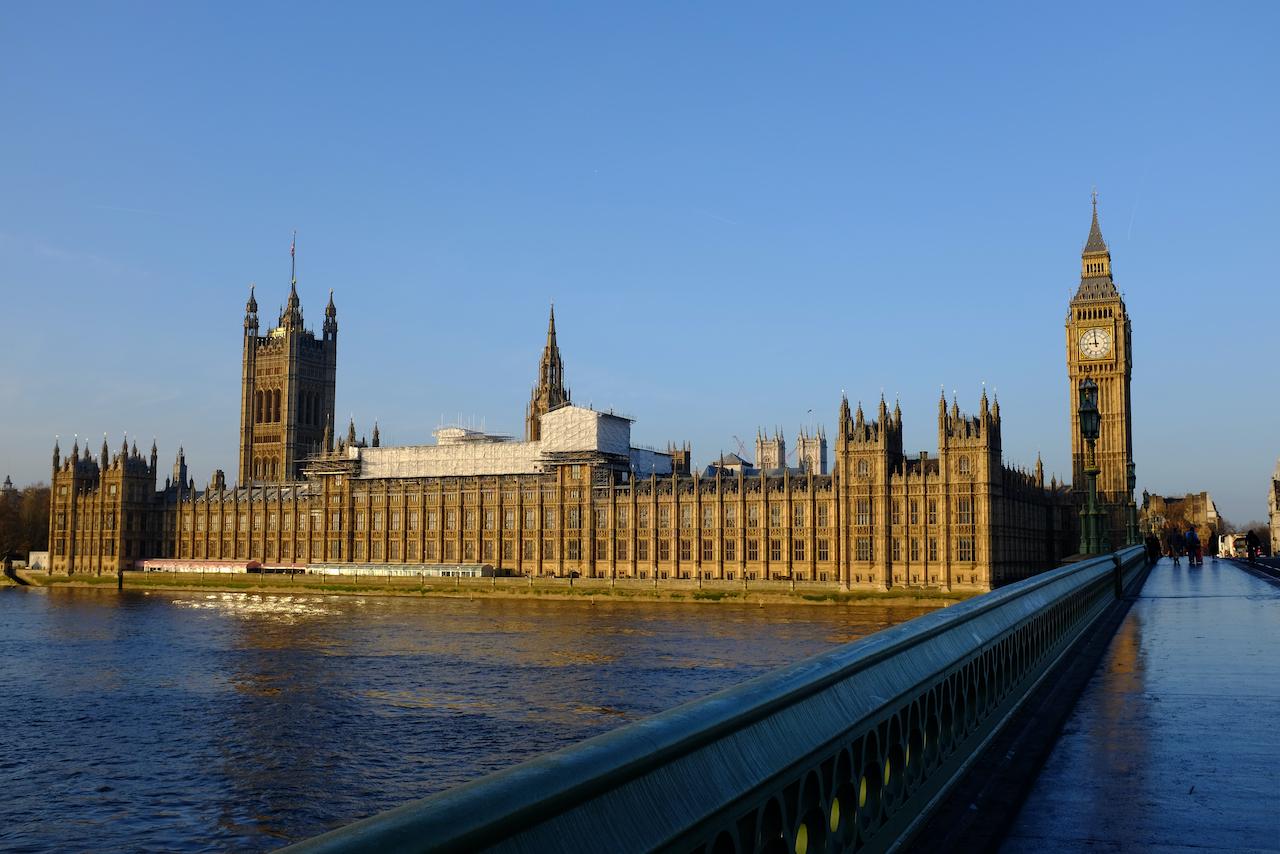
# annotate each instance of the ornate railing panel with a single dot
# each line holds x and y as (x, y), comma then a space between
(845, 751)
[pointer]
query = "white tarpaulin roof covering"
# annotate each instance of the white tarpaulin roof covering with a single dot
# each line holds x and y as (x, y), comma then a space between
(566, 430)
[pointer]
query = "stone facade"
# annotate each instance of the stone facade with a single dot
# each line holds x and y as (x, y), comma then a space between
(957, 520)
(577, 497)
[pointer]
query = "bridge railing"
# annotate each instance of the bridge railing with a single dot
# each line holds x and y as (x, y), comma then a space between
(847, 750)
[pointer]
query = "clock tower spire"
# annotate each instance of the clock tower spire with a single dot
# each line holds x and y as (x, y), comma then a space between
(1099, 347)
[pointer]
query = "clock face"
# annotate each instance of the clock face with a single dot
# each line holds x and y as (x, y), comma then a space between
(1095, 343)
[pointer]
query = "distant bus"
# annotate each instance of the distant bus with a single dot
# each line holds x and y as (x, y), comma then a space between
(1233, 545)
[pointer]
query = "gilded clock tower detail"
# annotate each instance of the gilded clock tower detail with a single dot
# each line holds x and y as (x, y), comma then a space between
(1099, 347)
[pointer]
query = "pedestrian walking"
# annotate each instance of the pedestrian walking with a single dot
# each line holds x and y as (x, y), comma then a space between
(1194, 556)
(1153, 548)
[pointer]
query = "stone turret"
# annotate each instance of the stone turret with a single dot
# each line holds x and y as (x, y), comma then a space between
(681, 457)
(330, 318)
(180, 473)
(251, 314)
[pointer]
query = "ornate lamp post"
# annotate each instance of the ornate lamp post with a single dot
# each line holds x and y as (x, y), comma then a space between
(1090, 424)
(1134, 534)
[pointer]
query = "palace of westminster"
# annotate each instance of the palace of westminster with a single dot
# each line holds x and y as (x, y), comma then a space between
(576, 497)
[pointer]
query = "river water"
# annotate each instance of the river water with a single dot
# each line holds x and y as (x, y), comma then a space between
(215, 721)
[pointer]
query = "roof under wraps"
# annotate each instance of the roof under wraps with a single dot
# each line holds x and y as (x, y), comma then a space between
(568, 433)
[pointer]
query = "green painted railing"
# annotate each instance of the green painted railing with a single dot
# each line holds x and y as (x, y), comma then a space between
(845, 751)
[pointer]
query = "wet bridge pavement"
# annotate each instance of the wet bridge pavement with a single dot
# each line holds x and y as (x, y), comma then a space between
(1175, 743)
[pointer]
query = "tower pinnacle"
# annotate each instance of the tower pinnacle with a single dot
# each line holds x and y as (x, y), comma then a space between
(330, 317)
(251, 313)
(291, 316)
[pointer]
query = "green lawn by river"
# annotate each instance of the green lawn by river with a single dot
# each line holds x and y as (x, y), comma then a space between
(634, 590)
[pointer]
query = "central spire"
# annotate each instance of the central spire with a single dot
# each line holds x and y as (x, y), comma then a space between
(550, 392)
(551, 370)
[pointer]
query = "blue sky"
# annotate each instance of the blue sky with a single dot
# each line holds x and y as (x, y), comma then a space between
(739, 210)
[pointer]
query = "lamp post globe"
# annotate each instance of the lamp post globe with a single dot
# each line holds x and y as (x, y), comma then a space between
(1090, 421)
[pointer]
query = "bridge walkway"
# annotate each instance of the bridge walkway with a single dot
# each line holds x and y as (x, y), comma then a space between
(1175, 743)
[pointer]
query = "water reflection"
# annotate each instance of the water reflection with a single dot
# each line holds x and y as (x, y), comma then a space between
(241, 720)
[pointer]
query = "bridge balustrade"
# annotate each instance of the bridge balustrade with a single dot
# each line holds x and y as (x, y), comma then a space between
(846, 751)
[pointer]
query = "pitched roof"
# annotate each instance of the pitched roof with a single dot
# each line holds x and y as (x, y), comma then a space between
(1096, 287)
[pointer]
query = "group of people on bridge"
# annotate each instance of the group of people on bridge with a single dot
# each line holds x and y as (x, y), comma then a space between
(1175, 546)
(1188, 543)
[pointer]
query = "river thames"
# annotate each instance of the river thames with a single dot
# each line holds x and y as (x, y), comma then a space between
(214, 721)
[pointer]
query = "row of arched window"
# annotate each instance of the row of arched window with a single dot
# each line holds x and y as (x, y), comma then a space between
(266, 405)
(311, 408)
(266, 469)
(1093, 313)
(1097, 268)
(267, 408)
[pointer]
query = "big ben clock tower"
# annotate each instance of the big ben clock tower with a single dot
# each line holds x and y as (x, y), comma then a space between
(1099, 347)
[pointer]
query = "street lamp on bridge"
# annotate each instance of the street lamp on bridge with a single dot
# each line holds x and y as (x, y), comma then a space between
(1090, 426)
(1134, 534)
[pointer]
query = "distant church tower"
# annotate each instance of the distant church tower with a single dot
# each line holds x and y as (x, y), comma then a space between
(1099, 347)
(287, 389)
(770, 453)
(811, 451)
(550, 392)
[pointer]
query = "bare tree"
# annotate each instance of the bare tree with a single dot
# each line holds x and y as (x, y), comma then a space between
(24, 522)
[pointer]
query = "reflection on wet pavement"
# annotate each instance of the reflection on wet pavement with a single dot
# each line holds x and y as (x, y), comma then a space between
(1175, 743)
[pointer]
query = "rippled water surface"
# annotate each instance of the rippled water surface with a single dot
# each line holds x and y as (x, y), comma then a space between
(215, 721)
